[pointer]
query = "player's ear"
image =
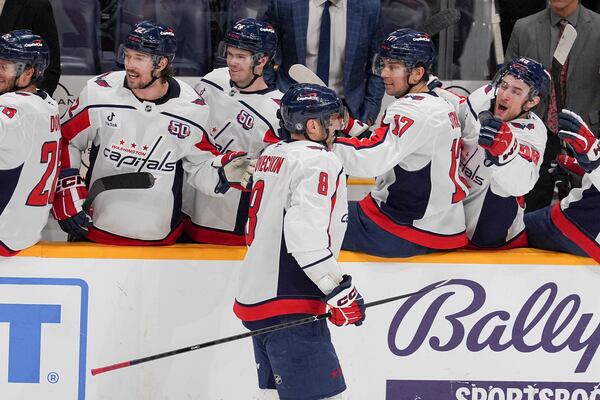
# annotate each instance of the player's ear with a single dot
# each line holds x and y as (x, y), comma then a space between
(416, 74)
(26, 77)
(533, 102)
(162, 64)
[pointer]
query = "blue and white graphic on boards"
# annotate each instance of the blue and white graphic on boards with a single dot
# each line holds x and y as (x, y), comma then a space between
(43, 338)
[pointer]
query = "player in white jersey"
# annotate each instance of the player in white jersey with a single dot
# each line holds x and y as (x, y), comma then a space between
(295, 228)
(572, 225)
(503, 144)
(29, 138)
(242, 117)
(138, 120)
(416, 206)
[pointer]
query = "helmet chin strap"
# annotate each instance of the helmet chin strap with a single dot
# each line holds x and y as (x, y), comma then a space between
(254, 78)
(327, 131)
(154, 79)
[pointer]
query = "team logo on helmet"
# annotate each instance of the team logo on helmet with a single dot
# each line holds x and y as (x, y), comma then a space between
(168, 32)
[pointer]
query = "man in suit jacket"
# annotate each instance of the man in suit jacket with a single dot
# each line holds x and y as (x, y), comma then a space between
(36, 15)
(536, 36)
(298, 24)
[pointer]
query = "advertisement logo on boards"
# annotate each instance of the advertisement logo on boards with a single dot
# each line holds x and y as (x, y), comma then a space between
(545, 322)
(43, 338)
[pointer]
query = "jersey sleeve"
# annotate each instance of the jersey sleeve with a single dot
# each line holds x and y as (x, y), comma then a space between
(78, 128)
(398, 136)
(11, 138)
(594, 177)
(314, 189)
(519, 176)
(201, 165)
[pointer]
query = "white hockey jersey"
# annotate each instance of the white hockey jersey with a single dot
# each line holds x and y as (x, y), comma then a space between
(164, 138)
(29, 152)
(298, 206)
(495, 205)
(414, 154)
(238, 121)
(576, 216)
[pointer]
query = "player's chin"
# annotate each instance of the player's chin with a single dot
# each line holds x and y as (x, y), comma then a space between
(392, 90)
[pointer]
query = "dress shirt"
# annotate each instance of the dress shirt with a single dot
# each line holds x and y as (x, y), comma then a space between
(337, 11)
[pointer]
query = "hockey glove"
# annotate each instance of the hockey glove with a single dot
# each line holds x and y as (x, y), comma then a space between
(497, 139)
(346, 305)
(576, 133)
(234, 167)
(68, 201)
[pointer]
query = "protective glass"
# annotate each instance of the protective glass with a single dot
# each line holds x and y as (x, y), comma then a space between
(337, 121)
(389, 67)
(8, 69)
(518, 89)
(134, 59)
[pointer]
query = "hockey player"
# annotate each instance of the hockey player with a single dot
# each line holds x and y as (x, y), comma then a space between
(503, 144)
(416, 206)
(295, 228)
(242, 117)
(139, 120)
(572, 225)
(29, 141)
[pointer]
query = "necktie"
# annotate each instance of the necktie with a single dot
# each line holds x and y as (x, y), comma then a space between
(324, 43)
(553, 106)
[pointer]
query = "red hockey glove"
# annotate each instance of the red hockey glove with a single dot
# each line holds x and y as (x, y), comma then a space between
(346, 305)
(570, 165)
(585, 145)
(497, 139)
(68, 201)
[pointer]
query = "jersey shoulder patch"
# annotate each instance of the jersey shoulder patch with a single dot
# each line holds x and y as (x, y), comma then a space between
(8, 112)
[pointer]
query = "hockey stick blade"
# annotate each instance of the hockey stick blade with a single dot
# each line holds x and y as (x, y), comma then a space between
(565, 43)
(301, 74)
(132, 180)
(284, 325)
(440, 21)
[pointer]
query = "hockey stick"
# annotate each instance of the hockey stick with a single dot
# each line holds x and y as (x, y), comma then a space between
(563, 48)
(497, 35)
(284, 325)
(132, 180)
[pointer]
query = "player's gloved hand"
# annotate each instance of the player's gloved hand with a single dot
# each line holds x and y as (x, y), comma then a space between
(247, 181)
(497, 139)
(68, 202)
(570, 165)
(346, 305)
(232, 167)
(574, 131)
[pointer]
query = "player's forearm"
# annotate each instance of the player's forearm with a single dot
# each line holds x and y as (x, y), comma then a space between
(203, 177)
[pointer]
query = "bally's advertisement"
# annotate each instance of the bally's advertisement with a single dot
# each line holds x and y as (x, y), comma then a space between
(516, 325)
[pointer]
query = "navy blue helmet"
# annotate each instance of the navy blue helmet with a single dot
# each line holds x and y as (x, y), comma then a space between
(412, 48)
(529, 71)
(304, 101)
(25, 49)
(255, 36)
(152, 38)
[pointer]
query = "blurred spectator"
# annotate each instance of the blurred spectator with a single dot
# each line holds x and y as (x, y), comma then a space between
(536, 37)
(36, 15)
(354, 30)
